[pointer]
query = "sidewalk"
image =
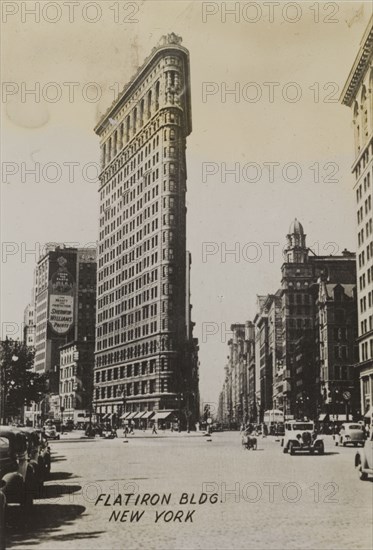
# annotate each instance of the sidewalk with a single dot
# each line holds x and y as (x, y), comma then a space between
(79, 435)
(161, 433)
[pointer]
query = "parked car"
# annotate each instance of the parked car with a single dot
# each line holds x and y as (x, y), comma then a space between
(39, 453)
(51, 432)
(301, 436)
(364, 459)
(2, 514)
(351, 432)
(15, 470)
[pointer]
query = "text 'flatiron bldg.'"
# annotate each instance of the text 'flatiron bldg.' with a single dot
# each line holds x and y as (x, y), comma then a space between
(144, 348)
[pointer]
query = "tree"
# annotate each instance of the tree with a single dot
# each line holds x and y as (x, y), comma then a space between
(19, 384)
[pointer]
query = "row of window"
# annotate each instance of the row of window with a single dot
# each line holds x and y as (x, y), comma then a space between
(364, 186)
(132, 389)
(366, 325)
(366, 350)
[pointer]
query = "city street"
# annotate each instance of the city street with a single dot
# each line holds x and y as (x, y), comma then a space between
(266, 499)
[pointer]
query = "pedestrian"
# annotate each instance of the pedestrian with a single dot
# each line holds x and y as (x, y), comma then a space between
(125, 430)
(154, 431)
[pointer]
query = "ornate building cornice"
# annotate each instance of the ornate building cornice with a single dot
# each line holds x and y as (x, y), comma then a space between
(359, 68)
(171, 43)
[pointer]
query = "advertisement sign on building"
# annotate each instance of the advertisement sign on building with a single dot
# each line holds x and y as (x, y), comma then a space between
(61, 299)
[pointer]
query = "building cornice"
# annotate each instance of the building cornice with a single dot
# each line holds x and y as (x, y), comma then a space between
(171, 44)
(359, 68)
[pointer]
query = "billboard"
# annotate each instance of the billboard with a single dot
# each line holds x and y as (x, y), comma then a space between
(61, 297)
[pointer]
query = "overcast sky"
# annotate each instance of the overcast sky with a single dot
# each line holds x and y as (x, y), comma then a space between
(295, 122)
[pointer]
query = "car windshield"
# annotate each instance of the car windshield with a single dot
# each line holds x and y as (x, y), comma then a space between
(303, 427)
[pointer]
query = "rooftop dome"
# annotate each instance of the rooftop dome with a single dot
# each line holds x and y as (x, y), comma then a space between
(296, 228)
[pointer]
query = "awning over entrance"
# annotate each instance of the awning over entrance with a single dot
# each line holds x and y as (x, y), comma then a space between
(369, 412)
(323, 417)
(147, 415)
(162, 415)
(339, 417)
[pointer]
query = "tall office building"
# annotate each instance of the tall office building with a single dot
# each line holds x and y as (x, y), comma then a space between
(29, 325)
(145, 353)
(64, 311)
(358, 94)
(303, 275)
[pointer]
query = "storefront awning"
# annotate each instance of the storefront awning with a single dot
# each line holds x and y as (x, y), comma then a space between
(147, 415)
(105, 416)
(124, 415)
(339, 418)
(131, 416)
(369, 412)
(162, 415)
(322, 417)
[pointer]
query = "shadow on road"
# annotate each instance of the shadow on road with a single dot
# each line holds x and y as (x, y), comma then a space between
(58, 490)
(44, 523)
(54, 476)
(58, 458)
(305, 453)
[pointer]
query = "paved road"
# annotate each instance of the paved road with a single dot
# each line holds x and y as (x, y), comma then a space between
(265, 499)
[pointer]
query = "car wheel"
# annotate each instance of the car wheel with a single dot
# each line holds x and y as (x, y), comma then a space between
(285, 450)
(291, 449)
(362, 475)
(311, 451)
(321, 449)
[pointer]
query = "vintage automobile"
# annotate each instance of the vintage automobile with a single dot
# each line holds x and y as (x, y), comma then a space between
(364, 459)
(39, 453)
(18, 475)
(351, 433)
(51, 431)
(2, 514)
(301, 436)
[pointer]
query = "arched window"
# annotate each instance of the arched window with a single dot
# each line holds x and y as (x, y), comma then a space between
(357, 127)
(149, 104)
(109, 153)
(364, 113)
(142, 108)
(128, 129)
(157, 88)
(134, 121)
(115, 143)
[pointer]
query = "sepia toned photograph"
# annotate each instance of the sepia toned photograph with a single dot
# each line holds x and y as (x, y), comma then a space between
(186, 348)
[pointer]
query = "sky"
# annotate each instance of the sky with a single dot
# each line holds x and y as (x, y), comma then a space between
(279, 146)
